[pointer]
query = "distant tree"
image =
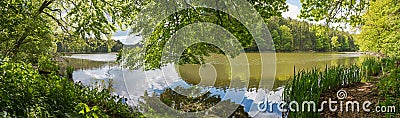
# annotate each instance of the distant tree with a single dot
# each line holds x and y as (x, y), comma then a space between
(286, 38)
(277, 39)
(335, 43)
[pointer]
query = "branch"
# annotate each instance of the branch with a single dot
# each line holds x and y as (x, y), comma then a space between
(188, 5)
(59, 21)
(58, 10)
(21, 40)
(65, 29)
(335, 8)
(44, 5)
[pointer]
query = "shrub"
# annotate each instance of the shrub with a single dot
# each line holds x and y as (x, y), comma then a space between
(389, 86)
(26, 93)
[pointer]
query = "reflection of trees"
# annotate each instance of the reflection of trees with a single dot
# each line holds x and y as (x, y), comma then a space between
(84, 64)
(190, 74)
(177, 105)
(188, 104)
(279, 83)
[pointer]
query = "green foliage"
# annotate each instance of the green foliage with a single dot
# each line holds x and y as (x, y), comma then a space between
(378, 19)
(389, 63)
(334, 11)
(335, 43)
(46, 65)
(381, 30)
(88, 112)
(371, 67)
(308, 85)
(286, 38)
(90, 46)
(70, 71)
(31, 27)
(293, 35)
(155, 42)
(26, 93)
(389, 85)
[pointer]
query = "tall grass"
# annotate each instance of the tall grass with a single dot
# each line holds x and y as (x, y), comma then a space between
(308, 85)
(389, 64)
(372, 67)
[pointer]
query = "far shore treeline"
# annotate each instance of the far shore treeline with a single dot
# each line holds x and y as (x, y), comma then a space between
(288, 34)
(293, 35)
(90, 46)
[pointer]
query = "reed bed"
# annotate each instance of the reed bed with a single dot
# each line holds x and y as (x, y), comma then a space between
(388, 64)
(308, 85)
(372, 66)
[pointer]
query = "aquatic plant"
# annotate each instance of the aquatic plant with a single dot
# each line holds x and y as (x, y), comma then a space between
(308, 85)
(371, 67)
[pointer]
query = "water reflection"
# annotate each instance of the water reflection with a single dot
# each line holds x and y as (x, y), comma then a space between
(144, 89)
(207, 104)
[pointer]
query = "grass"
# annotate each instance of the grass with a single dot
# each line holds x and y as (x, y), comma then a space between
(308, 85)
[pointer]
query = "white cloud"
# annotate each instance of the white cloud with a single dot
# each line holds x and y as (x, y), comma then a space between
(293, 12)
(128, 40)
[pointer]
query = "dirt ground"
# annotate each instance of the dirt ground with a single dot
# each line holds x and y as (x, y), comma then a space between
(360, 92)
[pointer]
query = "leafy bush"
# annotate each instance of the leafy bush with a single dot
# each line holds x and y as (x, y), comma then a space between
(46, 65)
(389, 86)
(26, 93)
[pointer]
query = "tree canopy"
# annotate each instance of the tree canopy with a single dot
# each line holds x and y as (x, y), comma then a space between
(155, 43)
(381, 31)
(378, 19)
(31, 27)
(334, 11)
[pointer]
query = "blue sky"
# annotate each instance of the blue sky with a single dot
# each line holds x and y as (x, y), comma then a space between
(294, 2)
(294, 10)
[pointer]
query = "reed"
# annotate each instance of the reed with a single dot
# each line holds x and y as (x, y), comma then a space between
(308, 85)
(389, 64)
(372, 67)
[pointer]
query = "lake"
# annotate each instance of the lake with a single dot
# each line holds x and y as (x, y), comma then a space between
(174, 84)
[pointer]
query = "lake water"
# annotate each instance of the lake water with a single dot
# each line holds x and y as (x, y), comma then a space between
(171, 85)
